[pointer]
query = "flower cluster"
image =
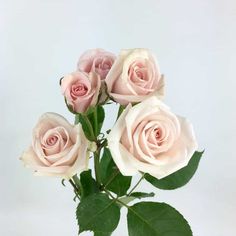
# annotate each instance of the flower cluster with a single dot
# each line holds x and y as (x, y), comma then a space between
(147, 137)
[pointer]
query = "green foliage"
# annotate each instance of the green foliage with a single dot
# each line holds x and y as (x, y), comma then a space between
(102, 234)
(178, 178)
(99, 214)
(111, 177)
(134, 196)
(91, 121)
(140, 195)
(156, 219)
(88, 184)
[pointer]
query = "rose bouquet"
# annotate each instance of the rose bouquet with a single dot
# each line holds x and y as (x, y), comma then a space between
(146, 139)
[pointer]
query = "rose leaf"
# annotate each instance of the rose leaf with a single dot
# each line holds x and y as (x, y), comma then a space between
(89, 185)
(98, 213)
(156, 219)
(178, 178)
(111, 177)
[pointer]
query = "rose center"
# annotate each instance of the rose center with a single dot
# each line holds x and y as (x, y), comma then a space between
(51, 140)
(158, 135)
(103, 64)
(79, 89)
(140, 75)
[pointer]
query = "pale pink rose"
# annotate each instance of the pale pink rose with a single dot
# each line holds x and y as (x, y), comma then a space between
(149, 138)
(96, 60)
(134, 76)
(58, 148)
(81, 90)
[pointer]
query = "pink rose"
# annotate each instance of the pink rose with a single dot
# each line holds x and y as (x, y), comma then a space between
(81, 90)
(58, 148)
(96, 60)
(149, 138)
(134, 76)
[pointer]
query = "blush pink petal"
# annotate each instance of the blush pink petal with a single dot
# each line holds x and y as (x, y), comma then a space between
(66, 156)
(125, 99)
(133, 152)
(81, 102)
(126, 88)
(92, 58)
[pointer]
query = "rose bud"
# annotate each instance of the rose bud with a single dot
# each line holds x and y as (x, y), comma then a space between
(81, 90)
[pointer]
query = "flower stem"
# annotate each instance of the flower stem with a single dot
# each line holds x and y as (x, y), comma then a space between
(96, 165)
(116, 199)
(136, 185)
(95, 120)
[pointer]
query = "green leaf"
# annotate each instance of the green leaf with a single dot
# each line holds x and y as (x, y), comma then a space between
(89, 184)
(178, 178)
(99, 214)
(134, 196)
(101, 234)
(96, 116)
(100, 114)
(156, 219)
(111, 177)
(91, 121)
(140, 195)
(86, 125)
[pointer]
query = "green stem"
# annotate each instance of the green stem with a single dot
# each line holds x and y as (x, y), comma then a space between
(136, 185)
(116, 199)
(96, 165)
(95, 120)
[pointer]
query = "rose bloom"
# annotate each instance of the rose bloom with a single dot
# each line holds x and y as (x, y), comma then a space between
(96, 60)
(81, 90)
(58, 148)
(149, 138)
(134, 76)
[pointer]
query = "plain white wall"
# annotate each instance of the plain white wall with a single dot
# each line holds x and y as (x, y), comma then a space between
(195, 43)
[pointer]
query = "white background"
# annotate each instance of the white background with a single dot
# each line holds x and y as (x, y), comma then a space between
(195, 43)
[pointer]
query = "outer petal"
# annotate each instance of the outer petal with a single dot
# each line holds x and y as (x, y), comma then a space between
(115, 70)
(86, 60)
(51, 119)
(30, 159)
(125, 99)
(81, 163)
(118, 155)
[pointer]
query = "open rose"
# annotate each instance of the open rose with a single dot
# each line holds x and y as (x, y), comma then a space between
(151, 139)
(58, 148)
(134, 76)
(96, 60)
(81, 90)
